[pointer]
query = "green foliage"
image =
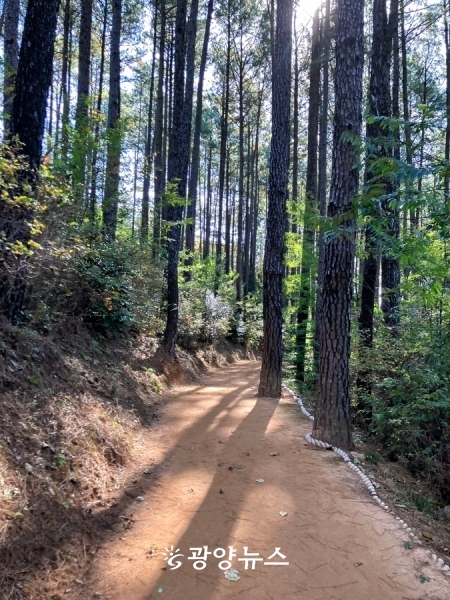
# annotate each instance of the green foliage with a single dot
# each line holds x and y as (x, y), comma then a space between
(204, 315)
(250, 330)
(103, 273)
(410, 402)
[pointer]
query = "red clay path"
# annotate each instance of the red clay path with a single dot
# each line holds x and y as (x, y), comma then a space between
(338, 543)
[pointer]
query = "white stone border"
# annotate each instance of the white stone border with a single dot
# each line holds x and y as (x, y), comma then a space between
(308, 437)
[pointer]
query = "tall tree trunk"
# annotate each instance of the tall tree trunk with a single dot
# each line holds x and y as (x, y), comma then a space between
(332, 420)
(271, 368)
(390, 267)
(228, 221)
(158, 152)
(81, 115)
(254, 197)
(195, 160)
(111, 195)
(84, 63)
(65, 79)
(310, 202)
(148, 154)
(379, 106)
(322, 179)
(240, 219)
(405, 97)
(208, 204)
(247, 227)
(177, 175)
(94, 167)
(34, 76)
(10, 57)
(137, 152)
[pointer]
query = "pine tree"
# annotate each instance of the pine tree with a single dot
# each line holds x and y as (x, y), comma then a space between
(270, 380)
(332, 420)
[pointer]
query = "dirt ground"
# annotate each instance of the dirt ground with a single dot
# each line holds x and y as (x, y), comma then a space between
(212, 443)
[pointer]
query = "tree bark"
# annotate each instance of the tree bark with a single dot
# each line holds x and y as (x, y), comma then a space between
(81, 115)
(10, 58)
(332, 420)
(158, 152)
(322, 177)
(177, 175)
(84, 63)
(148, 154)
(111, 195)
(310, 202)
(34, 76)
(65, 78)
(271, 369)
(390, 268)
(94, 167)
(195, 160)
(379, 106)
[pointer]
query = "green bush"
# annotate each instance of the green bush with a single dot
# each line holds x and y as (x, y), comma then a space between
(103, 273)
(410, 401)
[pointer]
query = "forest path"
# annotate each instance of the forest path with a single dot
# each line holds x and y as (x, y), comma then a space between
(338, 543)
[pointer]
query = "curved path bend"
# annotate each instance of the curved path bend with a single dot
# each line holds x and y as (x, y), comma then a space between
(211, 445)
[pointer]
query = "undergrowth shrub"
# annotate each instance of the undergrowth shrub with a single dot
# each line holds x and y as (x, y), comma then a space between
(410, 400)
(104, 294)
(206, 300)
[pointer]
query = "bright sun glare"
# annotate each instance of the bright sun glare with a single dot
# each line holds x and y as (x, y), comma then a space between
(304, 10)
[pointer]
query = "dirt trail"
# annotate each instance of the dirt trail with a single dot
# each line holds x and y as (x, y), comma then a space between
(339, 545)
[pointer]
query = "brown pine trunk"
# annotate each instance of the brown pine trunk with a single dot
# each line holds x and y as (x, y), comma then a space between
(177, 173)
(10, 57)
(379, 106)
(332, 419)
(34, 76)
(158, 151)
(94, 167)
(405, 97)
(390, 268)
(310, 202)
(271, 368)
(240, 219)
(111, 195)
(84, 63)
(148, 154)
(322, 178)
(65, 79)
(195, 161)
(81, 115)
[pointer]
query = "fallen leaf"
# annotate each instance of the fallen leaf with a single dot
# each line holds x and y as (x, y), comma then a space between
(427, 535)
